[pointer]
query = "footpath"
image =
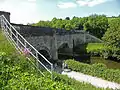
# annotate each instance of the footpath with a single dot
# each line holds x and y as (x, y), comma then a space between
(98, 82)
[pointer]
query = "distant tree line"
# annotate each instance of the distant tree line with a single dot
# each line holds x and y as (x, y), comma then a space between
(94, 24)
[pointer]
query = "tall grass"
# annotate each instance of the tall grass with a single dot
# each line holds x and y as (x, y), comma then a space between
(5, 46)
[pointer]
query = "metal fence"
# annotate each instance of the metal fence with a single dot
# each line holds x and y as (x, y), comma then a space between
(21, 43)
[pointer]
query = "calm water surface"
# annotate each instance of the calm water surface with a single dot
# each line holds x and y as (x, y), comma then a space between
(93, 60)
(108, 63)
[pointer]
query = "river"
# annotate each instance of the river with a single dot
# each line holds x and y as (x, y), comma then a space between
(108, 63)
(92, 60)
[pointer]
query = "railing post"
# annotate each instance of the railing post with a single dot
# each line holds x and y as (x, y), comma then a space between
(51, 71)
(10, 32)
(36, 60)
(1, 22)
(25, 44)
(17, 38)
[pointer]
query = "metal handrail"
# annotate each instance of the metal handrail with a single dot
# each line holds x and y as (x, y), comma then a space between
(5, 25)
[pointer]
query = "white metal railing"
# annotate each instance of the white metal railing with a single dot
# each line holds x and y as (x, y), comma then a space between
(20, 42)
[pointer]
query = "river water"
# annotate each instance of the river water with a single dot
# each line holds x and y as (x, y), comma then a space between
(108, 63)
(92, 60)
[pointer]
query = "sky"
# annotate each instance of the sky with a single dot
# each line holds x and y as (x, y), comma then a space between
(32, 11)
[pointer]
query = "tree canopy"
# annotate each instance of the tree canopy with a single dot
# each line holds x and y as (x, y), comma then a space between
(112, 35)
(95, 24)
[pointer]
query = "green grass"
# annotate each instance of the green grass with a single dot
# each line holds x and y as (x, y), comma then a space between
(95, 49)
(5, 46)
(94, 46)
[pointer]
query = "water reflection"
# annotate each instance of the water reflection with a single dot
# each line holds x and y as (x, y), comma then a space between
(108, 63)
(92, 60)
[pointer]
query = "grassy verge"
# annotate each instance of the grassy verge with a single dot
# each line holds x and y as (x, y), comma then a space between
(5, 46)
(95, 48)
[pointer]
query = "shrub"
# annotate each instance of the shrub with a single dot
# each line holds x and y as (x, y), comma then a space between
(18, 73)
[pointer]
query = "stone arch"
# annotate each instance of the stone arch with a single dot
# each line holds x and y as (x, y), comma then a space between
(63, 44)
(45, 52)
(62, 47)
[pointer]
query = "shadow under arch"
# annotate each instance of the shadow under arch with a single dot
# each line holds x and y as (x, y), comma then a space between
(45, 53)
(64, 52)
(63, 48)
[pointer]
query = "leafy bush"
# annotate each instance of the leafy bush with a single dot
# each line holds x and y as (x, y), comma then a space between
(98, 70)
(111, 52)
(18, 73)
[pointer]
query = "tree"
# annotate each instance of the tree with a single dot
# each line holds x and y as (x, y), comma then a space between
(112, 35)
(112, 39)
(67, 18)
(96, 25)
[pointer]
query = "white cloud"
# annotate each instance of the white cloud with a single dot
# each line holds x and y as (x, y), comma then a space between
(22, 11)
(66, 5)
(90, 3)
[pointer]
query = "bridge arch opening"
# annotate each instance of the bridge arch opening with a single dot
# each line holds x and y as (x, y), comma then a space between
(45, 54)
(63, 48)
(64, 51)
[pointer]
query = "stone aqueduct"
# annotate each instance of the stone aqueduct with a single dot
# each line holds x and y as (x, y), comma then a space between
(49, 40)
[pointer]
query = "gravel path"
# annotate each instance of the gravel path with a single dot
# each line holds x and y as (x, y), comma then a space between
(98, 82)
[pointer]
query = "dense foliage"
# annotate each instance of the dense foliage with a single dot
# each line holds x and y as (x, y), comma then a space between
(97, 70)
(112, 39)
(97, 25)
(112, 36)
(18, 73)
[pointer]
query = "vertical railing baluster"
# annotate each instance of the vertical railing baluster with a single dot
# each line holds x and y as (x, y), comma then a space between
(37, 61)
(10, 32)
(52, 71)
(17, 38)
(25, 44)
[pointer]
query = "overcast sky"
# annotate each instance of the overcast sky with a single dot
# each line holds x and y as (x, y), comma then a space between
(32, 11)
